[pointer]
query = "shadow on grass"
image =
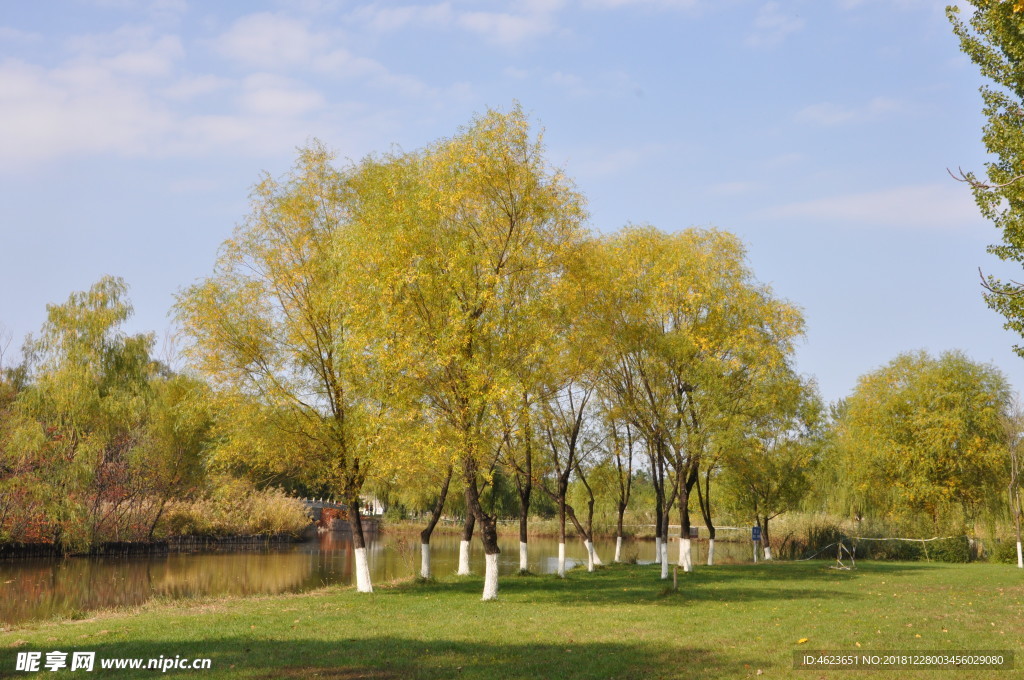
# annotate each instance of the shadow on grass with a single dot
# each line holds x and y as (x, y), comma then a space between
(632, 584)
(394, 658)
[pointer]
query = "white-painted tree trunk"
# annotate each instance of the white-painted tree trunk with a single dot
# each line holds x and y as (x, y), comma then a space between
(561, 560)
(1020, 557)
(664, 560)
(767, 551)
(463, 558)
(657, 548)
(590, 555)
(424, 560)
(711, 551)
(490, 577)
(685, 554)
(524, 563)
(362, 572)
(618, 548)
(597, 558)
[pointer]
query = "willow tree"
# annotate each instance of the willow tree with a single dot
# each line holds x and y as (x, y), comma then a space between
(466, 239)
(923, 438)
(767, 470)
(281, 324)
(689, 328)
(83, 413)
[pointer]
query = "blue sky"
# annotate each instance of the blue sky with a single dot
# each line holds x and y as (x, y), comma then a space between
(819, 131)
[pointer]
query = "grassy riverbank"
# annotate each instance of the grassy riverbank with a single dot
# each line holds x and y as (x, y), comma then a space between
(620, 622)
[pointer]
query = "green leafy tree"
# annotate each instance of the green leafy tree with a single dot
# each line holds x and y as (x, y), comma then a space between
(769, 470)
(924, 438)
(169, 460)
(993, 37)
(82, 414)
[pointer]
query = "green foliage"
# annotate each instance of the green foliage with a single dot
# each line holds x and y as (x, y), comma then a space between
(81, 416)
(956, 550)
(923, 437)
(993, 38)
(768, 470)
(1005, 552)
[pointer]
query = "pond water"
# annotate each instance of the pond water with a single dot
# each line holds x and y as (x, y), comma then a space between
(44, 588)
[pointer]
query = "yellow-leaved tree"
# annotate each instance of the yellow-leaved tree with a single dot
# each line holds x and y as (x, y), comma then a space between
(466, 240)
(282, 328)
(691, 334)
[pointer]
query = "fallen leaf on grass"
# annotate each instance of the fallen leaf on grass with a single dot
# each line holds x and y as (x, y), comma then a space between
(801, 641)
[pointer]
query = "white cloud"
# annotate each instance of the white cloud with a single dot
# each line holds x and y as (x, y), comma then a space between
(929, 206)
(530, 19)
(899, 4)
(190, 87)
(128, 93)
(273, 42)
(600, 163)
(829, 114)
(265, 94)
(13, 35)
(773, 25)
(568, 82)
(611, 83)
(385, 19)
(157, 59)
(266, 40)
(659, 4)
(507, 29)
(72, 109)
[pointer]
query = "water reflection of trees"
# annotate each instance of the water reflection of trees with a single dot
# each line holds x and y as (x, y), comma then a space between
(44, 589)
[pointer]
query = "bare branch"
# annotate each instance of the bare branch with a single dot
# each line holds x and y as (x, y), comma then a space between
(962, 177)
(1017, 292)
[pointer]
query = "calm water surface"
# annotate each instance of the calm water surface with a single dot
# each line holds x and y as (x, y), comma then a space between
(44, 588)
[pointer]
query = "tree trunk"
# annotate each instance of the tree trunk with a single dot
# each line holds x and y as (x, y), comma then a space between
(561, 532)
(1015, 505)
(488, 530)
(525, 489)
(435, 515)
(618, 532)
(685, 558)
(362, 567)
(664, 541)
(467, 536)
(686, 478)
(766, 543)
(588, 540)
(704, 499)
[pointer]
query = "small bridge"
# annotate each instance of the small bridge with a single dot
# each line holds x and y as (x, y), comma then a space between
(335, 521)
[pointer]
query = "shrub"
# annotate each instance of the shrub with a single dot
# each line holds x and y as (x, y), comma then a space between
(1005, 551)
(957, 549)
(236, 508)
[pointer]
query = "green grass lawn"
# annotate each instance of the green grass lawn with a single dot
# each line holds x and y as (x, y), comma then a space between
(619, 622)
